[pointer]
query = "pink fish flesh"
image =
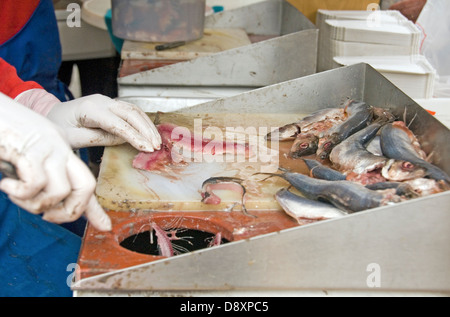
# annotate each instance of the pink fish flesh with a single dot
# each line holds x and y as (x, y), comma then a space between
(177, 139)
(164, 242)
(216, 241)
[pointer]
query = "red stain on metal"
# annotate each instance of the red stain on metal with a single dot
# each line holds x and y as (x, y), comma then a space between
(101, 252)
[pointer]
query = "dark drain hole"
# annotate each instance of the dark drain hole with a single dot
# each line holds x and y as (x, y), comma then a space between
(186, 240)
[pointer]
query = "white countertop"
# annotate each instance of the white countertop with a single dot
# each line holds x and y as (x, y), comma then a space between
(440, 105)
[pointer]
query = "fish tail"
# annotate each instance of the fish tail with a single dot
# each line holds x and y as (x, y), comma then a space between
(282, 169)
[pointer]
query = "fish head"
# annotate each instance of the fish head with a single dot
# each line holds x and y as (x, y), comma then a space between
(304, 144)
(210, 198)
(326, 146)
(381, 115)
(283, 133)
(426, 186)
(398, 170)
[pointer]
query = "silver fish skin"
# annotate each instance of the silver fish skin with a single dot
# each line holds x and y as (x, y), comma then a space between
(351, 155)
(359, 115)
(302, 208)
(291, 130)
(374, 146)
(345, 195)
(317, 170)
(284, 133)
(396, 144)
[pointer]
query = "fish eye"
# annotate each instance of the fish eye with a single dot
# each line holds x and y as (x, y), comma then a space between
(327, 145)
(304, 145)
(407, 166)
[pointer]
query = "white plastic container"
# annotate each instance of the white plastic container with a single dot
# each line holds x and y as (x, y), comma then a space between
(158, 20)
(413, 74)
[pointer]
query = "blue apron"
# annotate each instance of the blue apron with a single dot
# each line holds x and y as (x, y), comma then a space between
(35, 51)
(36, 257)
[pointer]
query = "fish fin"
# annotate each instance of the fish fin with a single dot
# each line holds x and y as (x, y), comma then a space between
(337, 201)
(429, 157)
(404, 118)
(270, 175)
(412, 120)
(347, 103)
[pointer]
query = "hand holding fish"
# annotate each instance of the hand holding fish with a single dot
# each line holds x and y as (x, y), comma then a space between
(51, 180)
(97, 120)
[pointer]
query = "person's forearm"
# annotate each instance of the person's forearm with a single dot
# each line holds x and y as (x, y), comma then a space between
(10, 83)
(27, 93)
(38, 100)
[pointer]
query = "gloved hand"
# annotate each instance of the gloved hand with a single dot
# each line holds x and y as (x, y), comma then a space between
(98, 120)
(52, 180)
(95, 120)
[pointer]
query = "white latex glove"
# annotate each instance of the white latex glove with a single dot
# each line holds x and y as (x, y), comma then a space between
(53, 181)
(98, 120)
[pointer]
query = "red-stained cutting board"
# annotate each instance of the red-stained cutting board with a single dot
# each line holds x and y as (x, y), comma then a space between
(123, 188)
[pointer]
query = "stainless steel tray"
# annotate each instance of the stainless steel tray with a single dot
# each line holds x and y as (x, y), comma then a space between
(396, 249)
(291, 53)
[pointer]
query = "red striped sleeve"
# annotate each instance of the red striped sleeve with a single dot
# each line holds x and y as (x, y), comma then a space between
(10, 84)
